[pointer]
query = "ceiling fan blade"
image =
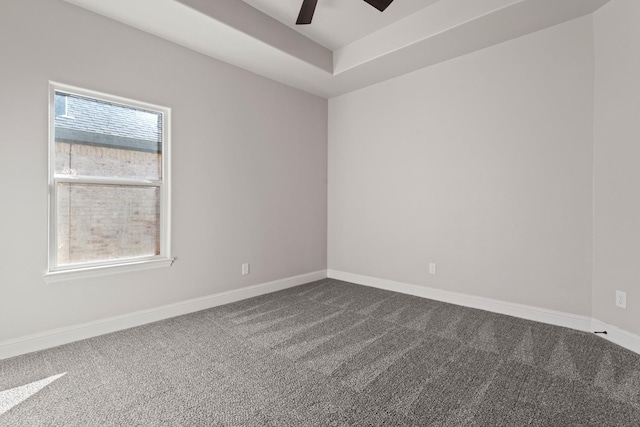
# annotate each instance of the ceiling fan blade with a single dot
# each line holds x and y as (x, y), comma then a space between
(381, 5)
(306, 12)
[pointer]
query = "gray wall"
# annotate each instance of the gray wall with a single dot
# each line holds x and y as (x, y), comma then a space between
(249, 167)
(482, 164)
(617, 163)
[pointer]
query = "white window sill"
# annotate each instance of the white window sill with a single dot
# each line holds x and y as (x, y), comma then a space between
(105, 270)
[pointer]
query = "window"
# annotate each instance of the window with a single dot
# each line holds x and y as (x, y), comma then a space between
(108, 184)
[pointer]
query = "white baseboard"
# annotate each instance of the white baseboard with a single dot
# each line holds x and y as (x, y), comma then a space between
(558, 318)
(60, 336)
(582, 323)
(56, 337)
(618, 336)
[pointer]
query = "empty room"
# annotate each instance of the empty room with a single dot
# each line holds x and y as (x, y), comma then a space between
(320, 213)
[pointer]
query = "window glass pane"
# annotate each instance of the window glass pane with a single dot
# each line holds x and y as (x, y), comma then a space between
(106, 222)
(99, 138)
(60, 105)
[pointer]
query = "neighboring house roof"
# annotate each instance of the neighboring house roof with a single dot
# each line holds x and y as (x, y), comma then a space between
(95, 122)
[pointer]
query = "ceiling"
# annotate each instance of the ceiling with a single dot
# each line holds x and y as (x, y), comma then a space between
(349, 45)
(336, 23)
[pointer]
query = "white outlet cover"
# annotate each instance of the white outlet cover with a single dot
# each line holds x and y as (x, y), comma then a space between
(621, 299)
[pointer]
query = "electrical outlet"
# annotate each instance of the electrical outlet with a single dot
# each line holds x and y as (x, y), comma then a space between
(432, 268)
(621, 299)
(245, 269)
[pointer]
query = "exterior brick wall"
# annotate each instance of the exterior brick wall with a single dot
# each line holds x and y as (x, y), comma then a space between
(91, 160)
(106, 222)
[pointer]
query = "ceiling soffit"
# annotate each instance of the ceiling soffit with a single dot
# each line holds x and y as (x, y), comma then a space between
(235, 32)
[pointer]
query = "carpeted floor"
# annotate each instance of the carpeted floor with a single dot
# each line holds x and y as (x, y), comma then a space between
(329, 353)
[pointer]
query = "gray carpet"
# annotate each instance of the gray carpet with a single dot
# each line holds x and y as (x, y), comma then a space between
(330, 353)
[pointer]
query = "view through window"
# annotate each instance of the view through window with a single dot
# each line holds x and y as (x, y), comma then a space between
(109, 181)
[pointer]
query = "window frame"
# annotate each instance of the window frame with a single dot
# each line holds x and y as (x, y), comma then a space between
(56, 272)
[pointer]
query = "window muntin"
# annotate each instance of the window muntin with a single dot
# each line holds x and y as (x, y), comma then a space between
(108, 181)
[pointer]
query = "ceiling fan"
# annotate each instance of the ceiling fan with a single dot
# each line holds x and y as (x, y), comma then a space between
(309, 6)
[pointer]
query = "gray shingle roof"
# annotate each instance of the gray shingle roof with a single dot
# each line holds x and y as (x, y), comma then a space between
(96, 122)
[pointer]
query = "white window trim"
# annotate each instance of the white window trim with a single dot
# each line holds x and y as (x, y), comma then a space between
(57, 273)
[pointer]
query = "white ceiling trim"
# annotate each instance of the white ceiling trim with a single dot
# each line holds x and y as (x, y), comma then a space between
(235, 32)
